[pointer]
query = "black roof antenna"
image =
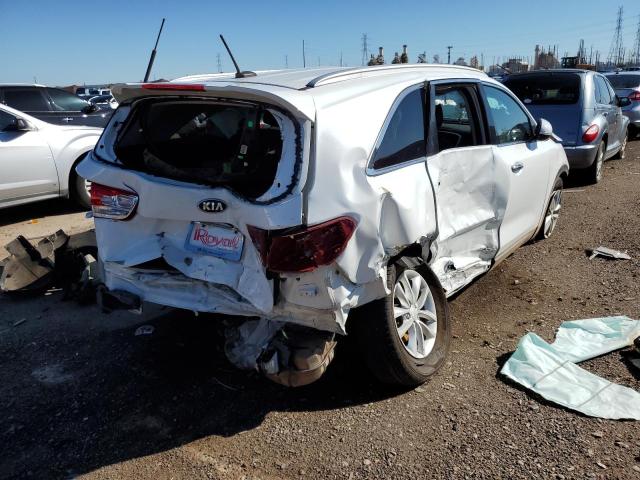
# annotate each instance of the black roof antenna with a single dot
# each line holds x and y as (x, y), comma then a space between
(153, 54)
(239, 74)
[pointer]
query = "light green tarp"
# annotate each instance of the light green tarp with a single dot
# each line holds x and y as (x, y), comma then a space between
(551, 370)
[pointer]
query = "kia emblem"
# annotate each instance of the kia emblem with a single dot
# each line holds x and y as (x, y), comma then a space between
(212, 205)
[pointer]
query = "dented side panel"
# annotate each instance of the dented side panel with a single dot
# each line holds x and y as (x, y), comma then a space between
(393, 210)
(471, 190)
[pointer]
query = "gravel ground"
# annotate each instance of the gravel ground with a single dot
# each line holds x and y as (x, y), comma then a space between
(82, 396)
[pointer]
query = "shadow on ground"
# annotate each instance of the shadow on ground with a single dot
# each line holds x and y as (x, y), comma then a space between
(73, 403)
(46, 208)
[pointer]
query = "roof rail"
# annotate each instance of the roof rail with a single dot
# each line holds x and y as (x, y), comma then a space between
(348, 72)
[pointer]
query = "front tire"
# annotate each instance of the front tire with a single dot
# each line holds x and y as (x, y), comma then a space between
(552, 213)
(81, 191)
(404, 337)
(623, 148)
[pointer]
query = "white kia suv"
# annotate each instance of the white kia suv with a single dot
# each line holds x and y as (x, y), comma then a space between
(305, 204)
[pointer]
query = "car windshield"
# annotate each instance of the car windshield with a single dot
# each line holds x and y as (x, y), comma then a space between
(624, 81)
(546, 89)
(237, 145)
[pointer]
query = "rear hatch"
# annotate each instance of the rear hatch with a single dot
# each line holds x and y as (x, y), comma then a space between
(204, 172)
(554, 96)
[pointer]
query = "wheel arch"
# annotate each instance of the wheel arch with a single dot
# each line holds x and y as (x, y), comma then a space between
(72, 172)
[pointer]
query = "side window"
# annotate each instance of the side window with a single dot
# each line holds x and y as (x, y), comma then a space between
(509, 121)
(6, 119)
(26, 100)
(605, 96)
(596, 88)
(456, 120)
(612, 92)
(65, 101)
(403, 138)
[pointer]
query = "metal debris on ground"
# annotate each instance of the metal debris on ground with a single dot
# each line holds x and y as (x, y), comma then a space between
(608, 253)
(144, 330)
(551, 370)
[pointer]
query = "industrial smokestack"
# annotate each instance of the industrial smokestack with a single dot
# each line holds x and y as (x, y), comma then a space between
(404, 58)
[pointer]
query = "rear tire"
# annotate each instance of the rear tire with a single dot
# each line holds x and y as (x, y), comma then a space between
(410, 359)
(594, 172)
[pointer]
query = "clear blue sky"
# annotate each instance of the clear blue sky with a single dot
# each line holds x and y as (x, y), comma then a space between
(69, 41)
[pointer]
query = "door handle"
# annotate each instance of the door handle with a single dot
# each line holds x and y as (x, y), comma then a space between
(606, 114)
(516, 167)
(67, 119)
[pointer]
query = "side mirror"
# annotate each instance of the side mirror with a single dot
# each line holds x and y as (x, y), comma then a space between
(90, 108)
(18, 126)
(543, 129)
(624, 101)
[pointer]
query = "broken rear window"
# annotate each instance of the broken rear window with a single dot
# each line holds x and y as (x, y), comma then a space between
(546, 89)
(219, 144)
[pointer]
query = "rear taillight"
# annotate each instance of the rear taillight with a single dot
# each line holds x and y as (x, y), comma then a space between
(635, 97)
(113, 203)
(591, 134)
(303, 250)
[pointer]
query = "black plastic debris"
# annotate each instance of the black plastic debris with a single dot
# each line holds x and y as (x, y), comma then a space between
(60, 260)
(29, 267)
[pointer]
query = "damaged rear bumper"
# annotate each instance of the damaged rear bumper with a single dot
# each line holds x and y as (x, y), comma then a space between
(321, 299)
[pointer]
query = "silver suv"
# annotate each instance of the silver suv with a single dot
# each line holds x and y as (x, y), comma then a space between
(305, 204)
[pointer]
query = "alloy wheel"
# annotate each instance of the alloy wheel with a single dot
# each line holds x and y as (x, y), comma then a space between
(414, 310)
(553, 213)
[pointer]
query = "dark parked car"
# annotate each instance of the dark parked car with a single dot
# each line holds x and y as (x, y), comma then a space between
(53, 105)
(584, 111)
(627, 84)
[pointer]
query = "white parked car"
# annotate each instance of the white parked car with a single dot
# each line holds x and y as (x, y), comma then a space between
(38, 159)
(310, 203)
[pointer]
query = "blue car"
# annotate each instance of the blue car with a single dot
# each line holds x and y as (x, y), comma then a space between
(627, 84)
(585, 113)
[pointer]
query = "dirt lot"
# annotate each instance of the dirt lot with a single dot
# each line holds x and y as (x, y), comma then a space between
(82, 396)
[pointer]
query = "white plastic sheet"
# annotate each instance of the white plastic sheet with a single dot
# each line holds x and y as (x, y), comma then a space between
(551, 370)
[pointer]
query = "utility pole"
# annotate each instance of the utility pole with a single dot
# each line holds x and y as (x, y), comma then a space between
(318, 61)
(219, 64)
(365, 49)
(304, 58)
(341, 58)
(615, 51)
(286, 61)
(449, 54)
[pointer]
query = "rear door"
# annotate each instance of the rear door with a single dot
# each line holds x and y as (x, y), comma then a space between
(527, 162)
(606, 106)
(27, 169)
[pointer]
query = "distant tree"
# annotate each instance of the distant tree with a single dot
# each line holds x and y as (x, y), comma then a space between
(436, 58)
(422, 58)
(396, 59)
